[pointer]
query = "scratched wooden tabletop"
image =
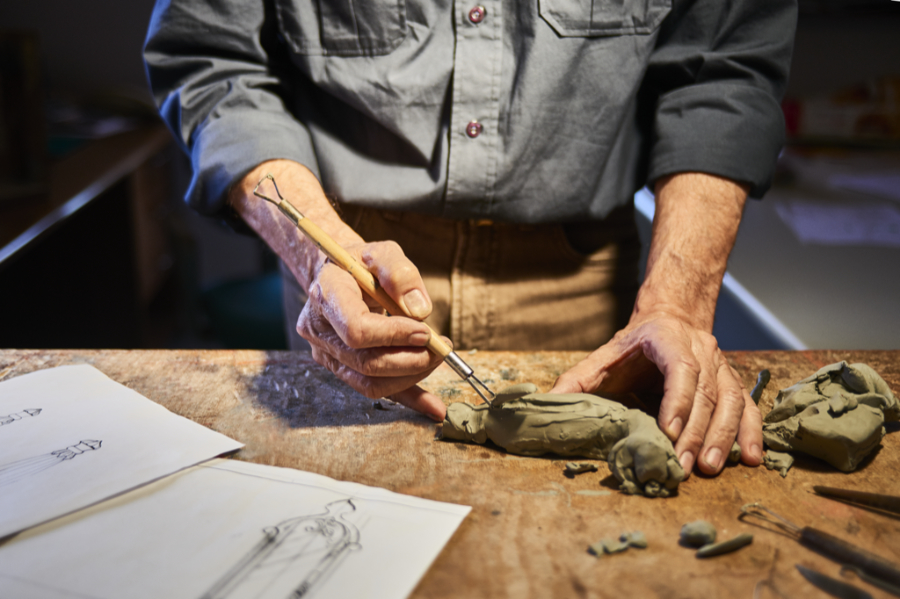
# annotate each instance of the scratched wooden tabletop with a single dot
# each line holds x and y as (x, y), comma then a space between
(530, 526)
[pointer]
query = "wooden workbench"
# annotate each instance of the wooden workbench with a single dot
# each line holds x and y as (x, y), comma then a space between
(530, 526)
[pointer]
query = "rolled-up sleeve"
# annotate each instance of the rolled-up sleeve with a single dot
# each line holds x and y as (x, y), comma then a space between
(717, 76)
(219, 92)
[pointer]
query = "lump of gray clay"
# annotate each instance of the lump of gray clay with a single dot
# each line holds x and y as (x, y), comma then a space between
(837, 415)
(698, 534)
(525, 422)
(776, 460)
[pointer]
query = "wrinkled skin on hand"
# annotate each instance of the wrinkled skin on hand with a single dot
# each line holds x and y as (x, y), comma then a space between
(837, 415)
(525, 422)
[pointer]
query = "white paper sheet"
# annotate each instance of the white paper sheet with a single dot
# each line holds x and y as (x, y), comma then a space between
(229, 530)
(70, 437)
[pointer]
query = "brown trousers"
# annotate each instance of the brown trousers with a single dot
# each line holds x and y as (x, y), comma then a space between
(499, 286)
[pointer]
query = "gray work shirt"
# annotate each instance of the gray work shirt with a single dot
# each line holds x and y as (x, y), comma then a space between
(530, 111)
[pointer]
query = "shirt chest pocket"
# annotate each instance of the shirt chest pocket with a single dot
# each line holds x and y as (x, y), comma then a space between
(598, 18)
(342, 27)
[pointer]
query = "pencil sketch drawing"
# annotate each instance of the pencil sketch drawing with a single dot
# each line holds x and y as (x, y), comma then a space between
(306, 549)
(10, 418)
(21, 469)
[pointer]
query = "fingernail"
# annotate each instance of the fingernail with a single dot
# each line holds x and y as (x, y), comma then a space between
(756, 452)
(714, 457)
(687, 462)
(675, 428)
(419, 338)
(416, 304)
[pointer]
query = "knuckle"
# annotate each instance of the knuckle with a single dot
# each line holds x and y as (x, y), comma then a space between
(355, 335)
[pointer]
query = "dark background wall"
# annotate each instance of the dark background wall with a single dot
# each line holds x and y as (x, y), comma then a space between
(92, 47)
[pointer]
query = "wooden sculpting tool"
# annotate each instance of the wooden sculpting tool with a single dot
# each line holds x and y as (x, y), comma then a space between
(370, 285)
(831, 546)
(887, 503)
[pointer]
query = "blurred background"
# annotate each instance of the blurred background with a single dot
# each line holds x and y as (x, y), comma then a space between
(98, 250)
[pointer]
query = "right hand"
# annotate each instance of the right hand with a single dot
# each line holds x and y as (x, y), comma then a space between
(377, 355)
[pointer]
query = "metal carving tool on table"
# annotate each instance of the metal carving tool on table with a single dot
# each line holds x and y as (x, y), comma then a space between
(370, 285)
(832, 547)
(888, 503)
(832, 586)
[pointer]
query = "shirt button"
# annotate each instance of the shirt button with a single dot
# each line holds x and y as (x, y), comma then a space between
(476, 15)
(473, 129)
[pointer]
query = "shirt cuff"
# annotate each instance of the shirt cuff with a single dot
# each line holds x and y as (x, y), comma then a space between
(228, 147)
(733, 131)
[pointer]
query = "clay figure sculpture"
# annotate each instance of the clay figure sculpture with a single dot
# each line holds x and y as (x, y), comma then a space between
(837, 414)
(528, 423)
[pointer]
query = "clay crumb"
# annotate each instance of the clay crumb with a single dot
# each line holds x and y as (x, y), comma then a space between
(776, 460)
(635, 538)
(742, 540)
(734, 455)
(573, 468)
(698, 534)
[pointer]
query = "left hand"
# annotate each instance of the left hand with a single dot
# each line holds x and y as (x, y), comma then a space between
(668, 346)
(704, 405)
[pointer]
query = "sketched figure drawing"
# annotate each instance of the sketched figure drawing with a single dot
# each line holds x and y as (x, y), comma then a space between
(10, 418)
(20, 469)
(305, 549)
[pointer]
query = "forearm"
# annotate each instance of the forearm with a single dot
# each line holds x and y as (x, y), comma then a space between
(694, 229)
(301, 188)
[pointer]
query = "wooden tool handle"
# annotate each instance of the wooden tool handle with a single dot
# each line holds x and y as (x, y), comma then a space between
(846, 553)
(366, 280)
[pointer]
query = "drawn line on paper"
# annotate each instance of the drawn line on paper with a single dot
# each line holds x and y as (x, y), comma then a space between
(10, 418)
(369, 499)
(43, 585)
(308, 548)
(16, 471)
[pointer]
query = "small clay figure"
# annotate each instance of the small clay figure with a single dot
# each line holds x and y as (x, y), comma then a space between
(837, 415)
(776, 460)
(698, 534)
(525, 422)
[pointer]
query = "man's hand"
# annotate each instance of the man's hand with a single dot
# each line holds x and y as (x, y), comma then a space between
(667, 346)
(377, 355)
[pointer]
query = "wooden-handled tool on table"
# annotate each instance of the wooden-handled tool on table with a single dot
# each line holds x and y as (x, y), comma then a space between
(370, 285)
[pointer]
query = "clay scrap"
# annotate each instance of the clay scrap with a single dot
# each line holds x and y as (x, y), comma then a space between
(776, 460)
(525, 422)
(837, 415)
(608, 546)
(712, 550)
(573, 468)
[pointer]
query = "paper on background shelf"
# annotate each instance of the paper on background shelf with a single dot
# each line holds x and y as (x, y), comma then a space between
(228, 529)
(70, 436)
